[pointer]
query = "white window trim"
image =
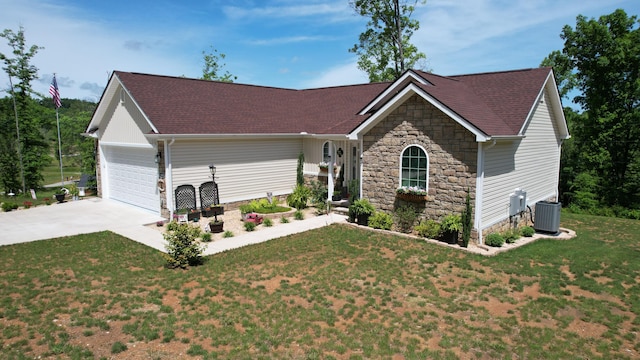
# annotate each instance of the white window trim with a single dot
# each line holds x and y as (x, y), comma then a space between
(400, 164)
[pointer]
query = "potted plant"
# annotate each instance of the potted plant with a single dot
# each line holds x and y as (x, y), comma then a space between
(213, 210)
(60, 194)
(74, 191)
(182, 215)
(193, 215)
(337, 195)
(411, 194)
(451, 226)
(216, 226)
(360, 211)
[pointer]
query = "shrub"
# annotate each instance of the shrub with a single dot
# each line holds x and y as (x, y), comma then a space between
(511, 236)
(298, 215)
(319, 193)
(227, 234)
(381, 220)
(182, 248)
(267, 222)
(406, 216)
(429, 229)
(118, 347)
(172, 226)
(284, 220)
(527, 231)
(206, 237)
(249, 226)
(451, 223)
(8, 206)
(495, 239)
(300, 169)
(299, 197)
(247, 208)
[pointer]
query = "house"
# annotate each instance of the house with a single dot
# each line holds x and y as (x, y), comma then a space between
(487, 134)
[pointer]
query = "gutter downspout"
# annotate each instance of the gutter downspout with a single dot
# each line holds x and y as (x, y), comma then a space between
(168, 178)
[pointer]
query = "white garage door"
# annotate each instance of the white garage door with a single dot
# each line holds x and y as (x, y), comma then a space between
(132, 176)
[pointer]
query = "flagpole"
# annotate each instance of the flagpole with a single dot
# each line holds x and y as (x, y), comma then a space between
(59, 148)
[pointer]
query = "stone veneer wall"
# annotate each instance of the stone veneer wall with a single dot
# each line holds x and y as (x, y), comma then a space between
(451, 149)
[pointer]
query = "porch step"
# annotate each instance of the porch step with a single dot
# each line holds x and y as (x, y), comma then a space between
(341, 210)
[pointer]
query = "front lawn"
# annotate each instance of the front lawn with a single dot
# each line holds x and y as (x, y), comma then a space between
(337, 292)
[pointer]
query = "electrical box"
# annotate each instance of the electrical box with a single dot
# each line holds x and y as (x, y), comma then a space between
(517, 202)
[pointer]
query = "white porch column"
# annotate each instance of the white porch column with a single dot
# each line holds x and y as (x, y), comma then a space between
(330, 180)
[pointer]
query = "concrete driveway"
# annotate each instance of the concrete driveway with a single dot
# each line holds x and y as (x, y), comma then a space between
(79, 217)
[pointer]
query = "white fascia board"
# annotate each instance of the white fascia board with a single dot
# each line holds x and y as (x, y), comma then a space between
(400, 98)
(393, 88)
(103, 103)
(120, 144)
(556, 105)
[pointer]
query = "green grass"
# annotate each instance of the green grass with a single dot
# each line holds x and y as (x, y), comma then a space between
(51, 173)
(336, 292)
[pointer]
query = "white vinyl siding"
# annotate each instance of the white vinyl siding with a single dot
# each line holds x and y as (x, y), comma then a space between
(531, 164)
(313, 154)
(126, 124)
(245, 169)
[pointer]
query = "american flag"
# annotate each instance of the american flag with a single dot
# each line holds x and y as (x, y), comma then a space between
(53, 90)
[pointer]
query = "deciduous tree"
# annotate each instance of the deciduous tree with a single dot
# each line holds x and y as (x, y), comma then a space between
(384, 51)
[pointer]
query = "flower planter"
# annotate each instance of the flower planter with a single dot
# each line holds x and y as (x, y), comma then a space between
(216, 227)
(412, 197)
(212, 211)
(60, 197)
(193, 215)
(363, 219)
(450, 237)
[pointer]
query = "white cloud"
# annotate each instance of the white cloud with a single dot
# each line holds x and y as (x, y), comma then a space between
(343, 74)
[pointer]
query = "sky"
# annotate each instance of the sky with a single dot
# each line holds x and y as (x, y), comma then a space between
(294, 44)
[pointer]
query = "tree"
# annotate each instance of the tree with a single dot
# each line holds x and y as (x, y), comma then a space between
(605, 55)
(562, 71)
(31, 146)
(384, 51)
(212, 66)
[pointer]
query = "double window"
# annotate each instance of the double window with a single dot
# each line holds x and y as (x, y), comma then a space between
(414, 170)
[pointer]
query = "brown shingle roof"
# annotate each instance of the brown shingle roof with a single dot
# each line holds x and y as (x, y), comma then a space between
(496, 103)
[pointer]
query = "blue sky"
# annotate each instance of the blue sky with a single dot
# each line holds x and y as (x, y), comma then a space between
(282, 43)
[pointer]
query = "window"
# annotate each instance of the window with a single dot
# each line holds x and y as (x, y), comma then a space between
(326, 154)
(415, 167)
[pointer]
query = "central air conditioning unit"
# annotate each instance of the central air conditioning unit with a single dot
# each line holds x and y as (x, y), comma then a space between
(547, 217)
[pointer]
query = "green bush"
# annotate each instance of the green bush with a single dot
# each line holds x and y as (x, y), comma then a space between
(511, 236)
(381, 220)
(452, 223)
(227, 234)
(406, 216)
(527, 231)
(467, 221)
(249, 226)
(182, 248)
(267, 222)
(298, 215)
(429, 229)
(118, 347)
(495, 240)
(206, 237)
(319, 193)
(299, 197)
(284, 220)
(8, 206)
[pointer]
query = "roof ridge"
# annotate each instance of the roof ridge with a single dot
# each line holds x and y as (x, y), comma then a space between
(500, 72)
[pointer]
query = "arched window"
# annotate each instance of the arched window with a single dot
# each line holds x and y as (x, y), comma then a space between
(327, 154)
(414, 169)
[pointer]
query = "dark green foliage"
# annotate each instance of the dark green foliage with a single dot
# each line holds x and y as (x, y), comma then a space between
(249, 226)
(360, 211)
(381, 220)
(467, 221)
(267, 222)
(527, 231)
(8, 206)
(451, 222)
(182, 248)
(319, 192)
(511, 236)
(206, 237)
(406, 216)
(298, 215)
(354, 190)
(300, 169)
(384, 51)
(299, 197)
(429, 229)
(118, 347)
(495, 240)
(601, 57)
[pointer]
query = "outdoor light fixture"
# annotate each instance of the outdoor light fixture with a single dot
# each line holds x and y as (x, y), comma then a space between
(212, 169)
(158, 157)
